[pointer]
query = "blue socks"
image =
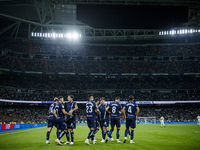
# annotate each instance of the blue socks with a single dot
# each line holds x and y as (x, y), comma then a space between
(104, 135)
(48, 135)
(58, 134)
(90, 134)
(118, 133)
(109, 134)
(72, 136)
(132, 134)
(61, 134)
(96, 130)
(127, 132)
(67, 136)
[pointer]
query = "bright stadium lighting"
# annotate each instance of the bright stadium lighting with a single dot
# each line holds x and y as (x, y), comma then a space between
(190, 30)
(54, 35)
(185, 31)
(80, 35)
(75, 35)
(69, 35)
(173, 32)
(61, 35)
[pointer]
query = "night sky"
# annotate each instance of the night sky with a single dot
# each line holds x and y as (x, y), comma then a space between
(132, 17)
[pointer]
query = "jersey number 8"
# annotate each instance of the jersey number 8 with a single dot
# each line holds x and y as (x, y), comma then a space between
(113, 110)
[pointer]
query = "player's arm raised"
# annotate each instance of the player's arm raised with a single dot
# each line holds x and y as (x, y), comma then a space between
(138, 110)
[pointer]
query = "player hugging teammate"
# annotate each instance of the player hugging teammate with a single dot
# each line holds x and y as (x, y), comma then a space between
(62, 116)
(57, 118)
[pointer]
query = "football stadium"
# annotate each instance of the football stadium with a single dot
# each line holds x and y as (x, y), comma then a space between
(100, 74)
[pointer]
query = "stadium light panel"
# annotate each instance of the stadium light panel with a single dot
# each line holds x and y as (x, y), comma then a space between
(191, 31)
(69, 35)
(185, 31)
(75, 35)
(57, 35)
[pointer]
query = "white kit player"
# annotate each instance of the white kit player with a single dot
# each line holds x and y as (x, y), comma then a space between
(162, 121)
(198, 120)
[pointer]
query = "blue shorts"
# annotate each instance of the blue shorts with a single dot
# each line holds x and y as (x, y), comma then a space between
(115, 121)
(130, 122)
(91, 123)
(71, 123)
(105, 122)
(61, 124)
(52, 122)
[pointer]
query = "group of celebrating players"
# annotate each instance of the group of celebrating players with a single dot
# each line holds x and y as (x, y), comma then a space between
(62, 116)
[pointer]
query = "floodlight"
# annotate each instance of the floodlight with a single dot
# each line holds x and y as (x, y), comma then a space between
(75, 35)
(185, 31)
(54, 35)
(69, 35)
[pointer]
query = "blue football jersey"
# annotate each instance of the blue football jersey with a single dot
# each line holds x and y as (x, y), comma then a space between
(104, 114)
(130, 109)
(51, 107)
(69, 106)
(58, 107)
(90, 109)
(115, 107)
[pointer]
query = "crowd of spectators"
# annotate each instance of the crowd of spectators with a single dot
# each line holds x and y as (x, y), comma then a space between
(23, 115)
(64, 49)
(103, 66)
(39, 114)
(67, 83)
(144, 96)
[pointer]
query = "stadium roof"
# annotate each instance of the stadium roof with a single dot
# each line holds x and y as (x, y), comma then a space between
(44, 16)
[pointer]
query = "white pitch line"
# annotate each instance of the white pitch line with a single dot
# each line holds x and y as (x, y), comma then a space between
(17, 131)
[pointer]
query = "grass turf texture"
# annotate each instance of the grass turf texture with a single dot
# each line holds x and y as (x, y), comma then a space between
(173, 136)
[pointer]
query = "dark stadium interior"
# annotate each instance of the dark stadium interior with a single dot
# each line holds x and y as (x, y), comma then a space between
(125, 48)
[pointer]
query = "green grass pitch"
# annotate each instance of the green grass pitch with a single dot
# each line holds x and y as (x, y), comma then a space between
(147, 137)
